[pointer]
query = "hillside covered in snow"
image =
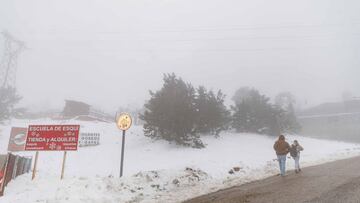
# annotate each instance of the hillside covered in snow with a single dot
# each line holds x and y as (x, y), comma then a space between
(155, 171)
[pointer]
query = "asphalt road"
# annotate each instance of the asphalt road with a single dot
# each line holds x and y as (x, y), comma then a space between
(335, 182)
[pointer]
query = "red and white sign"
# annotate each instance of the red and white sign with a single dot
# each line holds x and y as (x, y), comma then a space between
(52, 138)
(17, 139)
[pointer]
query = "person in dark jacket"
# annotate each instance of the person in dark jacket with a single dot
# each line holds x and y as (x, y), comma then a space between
(282, 148)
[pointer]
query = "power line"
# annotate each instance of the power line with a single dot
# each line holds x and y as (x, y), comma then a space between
(206, 28)
(209, 50)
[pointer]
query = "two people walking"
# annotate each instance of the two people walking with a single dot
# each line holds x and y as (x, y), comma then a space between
(282, 148)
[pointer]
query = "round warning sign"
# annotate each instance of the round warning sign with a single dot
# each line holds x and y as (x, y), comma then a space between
(124, 121)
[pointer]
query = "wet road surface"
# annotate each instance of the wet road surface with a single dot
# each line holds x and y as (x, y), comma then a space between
(335, 182)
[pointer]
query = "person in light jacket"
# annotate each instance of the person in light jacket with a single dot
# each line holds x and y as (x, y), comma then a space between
(295, 154)
(282, 148)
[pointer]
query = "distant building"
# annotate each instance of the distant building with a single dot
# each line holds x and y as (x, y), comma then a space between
(75, 108)
(339, 120)
(82, 111)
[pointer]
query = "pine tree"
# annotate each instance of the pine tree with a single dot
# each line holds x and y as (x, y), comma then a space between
(212, 114)
(254, 113)
(170, 113)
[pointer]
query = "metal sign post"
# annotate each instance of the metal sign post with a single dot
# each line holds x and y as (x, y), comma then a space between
(122, 153)
(123, 122)
(35, 164)
(63, 166)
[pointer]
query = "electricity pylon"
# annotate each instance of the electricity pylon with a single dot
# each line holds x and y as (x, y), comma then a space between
(8, 66)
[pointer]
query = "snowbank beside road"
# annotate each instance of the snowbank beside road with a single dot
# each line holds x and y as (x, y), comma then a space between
(155, 171)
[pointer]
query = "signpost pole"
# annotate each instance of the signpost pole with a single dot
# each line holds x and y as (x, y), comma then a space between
(123, 122)
(122, 153)
(35, 164)
(63, 166)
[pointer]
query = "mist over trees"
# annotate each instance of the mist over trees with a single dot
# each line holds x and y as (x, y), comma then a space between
(253, 113)
(285, 101)
(180, 113)
(8, 99)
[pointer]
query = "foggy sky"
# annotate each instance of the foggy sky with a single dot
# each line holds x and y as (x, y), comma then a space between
(110, 53)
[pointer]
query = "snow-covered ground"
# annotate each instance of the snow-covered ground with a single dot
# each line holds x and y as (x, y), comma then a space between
(154, 171)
